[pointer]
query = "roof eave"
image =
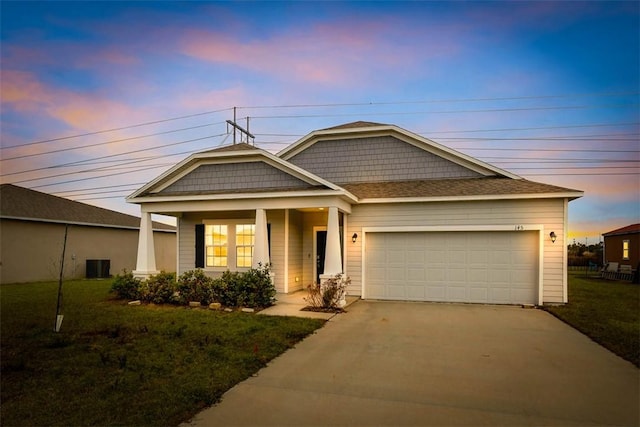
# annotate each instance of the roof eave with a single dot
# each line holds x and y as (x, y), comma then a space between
(240, 196)
(567, 195)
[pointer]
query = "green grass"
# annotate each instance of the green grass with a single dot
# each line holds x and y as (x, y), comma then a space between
(606, 311)
(114, 364)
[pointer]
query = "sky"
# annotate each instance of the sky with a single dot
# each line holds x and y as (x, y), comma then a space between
(99, 98)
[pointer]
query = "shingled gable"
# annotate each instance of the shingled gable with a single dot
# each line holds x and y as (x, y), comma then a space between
(375, 146)
(233, 170)
(30, 205)
(371, 132)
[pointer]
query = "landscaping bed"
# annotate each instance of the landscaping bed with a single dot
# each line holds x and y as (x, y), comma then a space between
(116, 364)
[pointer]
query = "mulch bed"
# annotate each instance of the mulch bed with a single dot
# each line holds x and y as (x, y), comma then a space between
(323, 309)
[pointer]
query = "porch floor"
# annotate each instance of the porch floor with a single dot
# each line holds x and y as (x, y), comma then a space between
(293, 303)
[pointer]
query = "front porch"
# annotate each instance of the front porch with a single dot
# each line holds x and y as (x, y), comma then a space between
(303, 245)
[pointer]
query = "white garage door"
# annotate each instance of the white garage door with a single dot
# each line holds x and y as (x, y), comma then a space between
(496, 267)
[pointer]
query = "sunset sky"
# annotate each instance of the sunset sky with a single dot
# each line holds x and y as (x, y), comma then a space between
(99, 98)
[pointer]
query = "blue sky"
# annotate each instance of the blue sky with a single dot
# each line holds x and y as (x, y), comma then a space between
(547, 90)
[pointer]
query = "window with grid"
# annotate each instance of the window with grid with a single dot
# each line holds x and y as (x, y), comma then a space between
(216, 242)
(245, 239)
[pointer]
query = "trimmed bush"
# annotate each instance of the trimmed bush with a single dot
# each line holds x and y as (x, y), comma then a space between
(258, 289)
(195, 285)
(160, 289)
(252, 288)
(126, 286)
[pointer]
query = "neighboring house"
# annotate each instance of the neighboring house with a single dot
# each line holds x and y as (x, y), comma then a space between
(622, 246)
(32, 227)
(404, 217)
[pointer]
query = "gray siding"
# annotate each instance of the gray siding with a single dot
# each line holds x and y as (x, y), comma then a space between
(376, 159)
(549, 212)
(235, 177)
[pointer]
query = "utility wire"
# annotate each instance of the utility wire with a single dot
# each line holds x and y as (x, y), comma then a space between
(120, 154)
(106, 142)
(118, 129)
(435, 101)
(407, 113)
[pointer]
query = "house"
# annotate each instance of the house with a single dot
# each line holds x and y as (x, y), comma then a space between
(622, 249)
(403, 216)
(32, 228)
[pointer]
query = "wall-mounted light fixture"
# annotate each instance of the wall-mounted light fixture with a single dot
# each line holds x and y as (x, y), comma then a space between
(354, 237)
(553, 236)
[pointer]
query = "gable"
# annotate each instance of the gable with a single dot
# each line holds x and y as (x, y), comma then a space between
(376, 159)
(235, 177)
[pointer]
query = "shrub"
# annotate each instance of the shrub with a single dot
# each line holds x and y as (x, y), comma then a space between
(329, 293)
(126, 286)
(195, 285)
(259, 291)
(252, 288)
(160, 289)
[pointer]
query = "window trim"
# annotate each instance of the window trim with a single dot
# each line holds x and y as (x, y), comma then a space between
(231, 224)
(626, 248)
(251, 245)
(213, 247)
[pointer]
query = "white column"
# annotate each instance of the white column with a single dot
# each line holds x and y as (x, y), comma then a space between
(332, 257)
(261, 244)
(146, 262)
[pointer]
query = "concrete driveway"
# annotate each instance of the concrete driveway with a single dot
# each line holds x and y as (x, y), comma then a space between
(395, 363)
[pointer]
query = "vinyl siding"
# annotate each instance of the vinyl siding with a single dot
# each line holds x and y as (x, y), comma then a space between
(375, 159)
(549, 212)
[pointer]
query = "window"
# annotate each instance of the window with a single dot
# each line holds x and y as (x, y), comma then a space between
(625, 249)
(216, 242)
(245, 239)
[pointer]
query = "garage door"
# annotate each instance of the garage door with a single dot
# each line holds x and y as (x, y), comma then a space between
(496, 267)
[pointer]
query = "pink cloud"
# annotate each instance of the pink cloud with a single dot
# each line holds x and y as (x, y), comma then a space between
(24, 92)
(336, 53)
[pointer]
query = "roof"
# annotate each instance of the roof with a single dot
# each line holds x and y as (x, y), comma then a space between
(358, 124)
(629, 229)
(489, 186)
(492, 181)
(233, 147)
(26, 204)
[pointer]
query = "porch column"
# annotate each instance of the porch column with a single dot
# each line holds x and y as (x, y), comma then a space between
(146, 261)
(332, 257)
(261, 244)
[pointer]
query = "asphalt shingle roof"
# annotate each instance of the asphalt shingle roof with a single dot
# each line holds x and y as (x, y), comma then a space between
(489, 186)
(24, 203)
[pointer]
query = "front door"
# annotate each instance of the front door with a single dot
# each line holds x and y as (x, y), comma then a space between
(321, 244)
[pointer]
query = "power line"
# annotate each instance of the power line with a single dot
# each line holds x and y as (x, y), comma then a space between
(407, 113)
(154, 122)
(435, 101)
(120, 154)
(106, 142)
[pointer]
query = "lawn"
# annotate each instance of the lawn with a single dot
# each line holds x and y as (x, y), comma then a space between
(606, 311)
(114, 364)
